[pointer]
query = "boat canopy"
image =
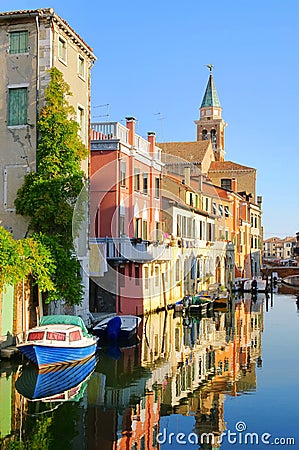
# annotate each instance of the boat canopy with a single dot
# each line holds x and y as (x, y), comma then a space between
(65, 320)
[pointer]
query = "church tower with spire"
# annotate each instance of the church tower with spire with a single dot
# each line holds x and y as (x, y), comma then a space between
(210, 124)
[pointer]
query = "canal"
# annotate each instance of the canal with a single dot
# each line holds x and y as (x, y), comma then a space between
(227, 379)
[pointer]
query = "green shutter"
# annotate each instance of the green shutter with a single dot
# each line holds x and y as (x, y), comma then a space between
(18, 42)
(18, 101)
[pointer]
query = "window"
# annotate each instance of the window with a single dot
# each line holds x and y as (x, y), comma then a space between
(145, 183)
(56, 336)
(137, 275)
(201, 230)
(75, 336)
(81, 121)
(226, 211)
(157, 279)
(123, 174)
(121, 276)
(157, 187)
(226, 183)
(138, 228)
(209, 232)
(18, 42)
(121, 225)
(221, 210)
(137, 180)
(144, 229)
(207, 204)
(81, 66)
(179, 225)
(157, 231)
(177, 270)
(17, 109)
(146, 278)
(36, 336)
(62, 49)
(214, 208)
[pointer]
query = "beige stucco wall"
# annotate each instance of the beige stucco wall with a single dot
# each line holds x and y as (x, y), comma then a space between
(18, 143)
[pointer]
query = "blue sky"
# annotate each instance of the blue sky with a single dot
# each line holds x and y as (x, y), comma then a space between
(151, 65)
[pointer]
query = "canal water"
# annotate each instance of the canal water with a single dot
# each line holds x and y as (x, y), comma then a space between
(225, 379)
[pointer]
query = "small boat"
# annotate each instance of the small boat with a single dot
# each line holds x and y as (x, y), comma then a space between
(238, 285)
(255, 284)
(201, 302)
(61, 383)
(58, 340)
(222, 298)
(117, 328)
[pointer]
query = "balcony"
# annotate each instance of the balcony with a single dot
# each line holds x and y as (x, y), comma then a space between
(131, 249)
(110, 131)
(141, 144)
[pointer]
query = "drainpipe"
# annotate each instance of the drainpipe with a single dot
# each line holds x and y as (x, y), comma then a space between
(37, 83)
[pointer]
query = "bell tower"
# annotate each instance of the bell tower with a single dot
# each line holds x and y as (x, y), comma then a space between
(210, 124)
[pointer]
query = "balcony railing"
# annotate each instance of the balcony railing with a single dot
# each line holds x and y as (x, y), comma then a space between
(111, 130)
(141, 144)
(131, 249)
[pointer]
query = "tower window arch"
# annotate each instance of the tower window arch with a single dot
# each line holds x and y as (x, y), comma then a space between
(204, 135)
(213, 135)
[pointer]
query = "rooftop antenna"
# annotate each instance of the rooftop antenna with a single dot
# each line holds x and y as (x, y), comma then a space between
(160, 117)
(106, 105)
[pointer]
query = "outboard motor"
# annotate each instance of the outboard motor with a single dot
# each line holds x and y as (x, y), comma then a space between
(113, 328)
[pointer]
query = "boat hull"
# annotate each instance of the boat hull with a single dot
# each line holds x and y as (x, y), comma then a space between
(125, 329)
(45, 355)
(123, 335)
(37, 385)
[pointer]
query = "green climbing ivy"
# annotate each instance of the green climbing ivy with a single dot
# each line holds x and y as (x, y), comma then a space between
(24, 258)
(48, 196)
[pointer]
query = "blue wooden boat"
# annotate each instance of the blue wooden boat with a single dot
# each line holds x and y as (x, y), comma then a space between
(58, 340)
(117, 328)
(61, 383)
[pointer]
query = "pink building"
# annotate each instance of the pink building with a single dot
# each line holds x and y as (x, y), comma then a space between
(125, 215)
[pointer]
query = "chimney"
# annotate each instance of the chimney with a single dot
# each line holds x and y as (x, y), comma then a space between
(187, 171)
(151, 137)
(131, 122)
(234, 185)
(259, 200)
(200, 179)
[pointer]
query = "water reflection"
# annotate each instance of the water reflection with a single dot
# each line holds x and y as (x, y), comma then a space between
(62, 383)
(187, 366)
(183, 369)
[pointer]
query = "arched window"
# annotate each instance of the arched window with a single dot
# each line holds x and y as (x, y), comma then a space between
(204, 135)
(213, 135)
